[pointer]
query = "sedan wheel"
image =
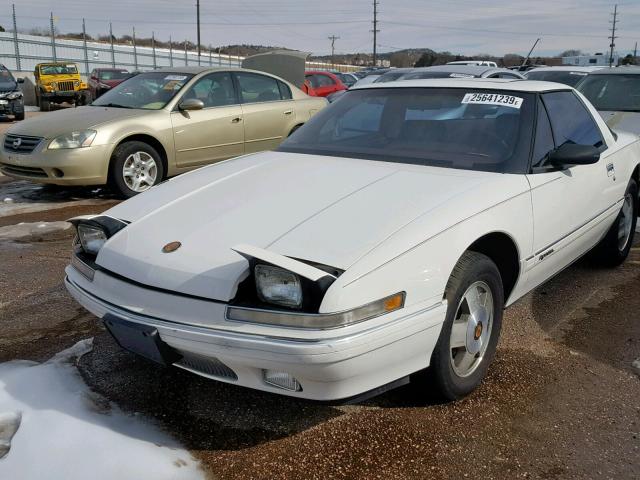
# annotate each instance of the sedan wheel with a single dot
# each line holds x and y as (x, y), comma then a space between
(140, 171)
(135, 167)
(625, 226)
(471, 330)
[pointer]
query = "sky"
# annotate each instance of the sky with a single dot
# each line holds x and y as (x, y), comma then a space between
(459, 26)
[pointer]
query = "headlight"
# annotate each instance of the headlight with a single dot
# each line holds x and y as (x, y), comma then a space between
(91, 238)
(76, 83)
(104, 85)
(278, 286)
(79, 139)
(54, 85)
(13, 95)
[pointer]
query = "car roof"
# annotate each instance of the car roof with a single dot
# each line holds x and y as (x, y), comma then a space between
(515, 85)
(626, 70)
(565, 68)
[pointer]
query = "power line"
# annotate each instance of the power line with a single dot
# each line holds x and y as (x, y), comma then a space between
(375, 31)
(333, 39)
(613, 37)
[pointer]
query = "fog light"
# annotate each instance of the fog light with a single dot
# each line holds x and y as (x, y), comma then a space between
(281, 380)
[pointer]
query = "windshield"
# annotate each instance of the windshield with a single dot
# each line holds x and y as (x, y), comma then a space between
(58, 69)
(565, 77)
(7, 82)
(148, 91)
(471, 129)
(113, 74)
(612, 92)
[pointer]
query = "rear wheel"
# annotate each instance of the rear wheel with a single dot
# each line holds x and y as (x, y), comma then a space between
(135, 168)
(469, 335)
(614, 248)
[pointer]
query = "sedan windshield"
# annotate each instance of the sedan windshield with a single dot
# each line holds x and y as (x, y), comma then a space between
(619, 93)
(470, 129)
(565, 77)
(113, 74)
(7, 82)
(148, 91)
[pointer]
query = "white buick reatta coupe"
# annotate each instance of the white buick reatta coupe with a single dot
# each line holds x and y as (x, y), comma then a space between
(383, 238)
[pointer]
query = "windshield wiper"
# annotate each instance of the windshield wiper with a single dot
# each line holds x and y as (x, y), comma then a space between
(114, 105)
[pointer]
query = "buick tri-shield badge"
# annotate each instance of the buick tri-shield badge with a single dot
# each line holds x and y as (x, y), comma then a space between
(171, 247)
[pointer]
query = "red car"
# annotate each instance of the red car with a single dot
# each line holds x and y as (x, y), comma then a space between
(104, 79)
(322, 84)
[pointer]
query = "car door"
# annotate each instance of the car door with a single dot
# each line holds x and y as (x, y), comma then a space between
(267, 109)
(573, 207)
(214, 133)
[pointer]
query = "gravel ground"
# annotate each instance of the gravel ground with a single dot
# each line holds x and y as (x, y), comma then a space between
(562, 399)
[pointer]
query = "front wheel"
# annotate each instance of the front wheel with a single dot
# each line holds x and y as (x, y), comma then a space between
(19, 116)
(45, 105)
(614, 248)
(469, 335)
(135, 167)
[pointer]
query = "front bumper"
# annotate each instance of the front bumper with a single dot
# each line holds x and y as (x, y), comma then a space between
(11, 107)
(75, 166)
(330, 365)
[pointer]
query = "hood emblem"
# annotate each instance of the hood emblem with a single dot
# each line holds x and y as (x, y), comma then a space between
(171, 247)
(17, 142)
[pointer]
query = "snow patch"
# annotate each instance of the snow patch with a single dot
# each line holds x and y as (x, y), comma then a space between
(36, 229)
(54, 426)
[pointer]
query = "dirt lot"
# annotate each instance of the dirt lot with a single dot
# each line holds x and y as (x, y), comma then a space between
(562, 399)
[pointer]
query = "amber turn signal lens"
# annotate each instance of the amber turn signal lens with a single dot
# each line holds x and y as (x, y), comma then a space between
(393, 303)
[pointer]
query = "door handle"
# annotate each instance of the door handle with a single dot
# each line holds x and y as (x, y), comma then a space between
(236, 120)
(288, 112)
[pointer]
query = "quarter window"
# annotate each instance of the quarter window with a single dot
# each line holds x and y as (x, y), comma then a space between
(570, 120)
(544, 138)
(256, 88)
(285, 91)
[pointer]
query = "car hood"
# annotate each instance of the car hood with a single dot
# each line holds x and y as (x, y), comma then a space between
(321, 209)
(70, 119)
(622, 121)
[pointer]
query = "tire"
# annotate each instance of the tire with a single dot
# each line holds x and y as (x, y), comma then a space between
(448, 373)
(134, 155)
(614, 248)
(45, 105)
(37, 98)
(19, 116)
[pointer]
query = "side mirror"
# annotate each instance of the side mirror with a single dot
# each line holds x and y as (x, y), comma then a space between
(20, 80)
(573, 154)
(191, 104)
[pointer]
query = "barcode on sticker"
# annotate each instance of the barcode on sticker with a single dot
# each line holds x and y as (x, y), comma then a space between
(493, 99)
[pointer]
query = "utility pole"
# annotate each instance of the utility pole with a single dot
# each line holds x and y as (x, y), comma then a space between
(198, 19)
(333, 39)
(613, 37)
(53, 38)
(15, 38)
(375, 31)
(635, 53)
(113, 51)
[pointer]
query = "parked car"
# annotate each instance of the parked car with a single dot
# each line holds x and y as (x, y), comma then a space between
(11, 98)
(322, 84)
(59, 82)
(460, 71)
(156, 125)
(482, 63)
(349, 79)
(383, 237)
(104, 79)
(615, 92)
(568, 75)
(393, 75)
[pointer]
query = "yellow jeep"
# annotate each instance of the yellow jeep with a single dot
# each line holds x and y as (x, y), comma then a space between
(59, 82)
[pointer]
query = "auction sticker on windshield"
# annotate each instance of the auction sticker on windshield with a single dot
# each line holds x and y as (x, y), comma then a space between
(492, 99)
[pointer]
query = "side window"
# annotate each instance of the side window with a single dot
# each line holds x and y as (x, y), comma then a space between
(256, 88)
(313, 80)
(325, 81)
(215, 90)
(570, 120)
(285, 91)
(543, 142)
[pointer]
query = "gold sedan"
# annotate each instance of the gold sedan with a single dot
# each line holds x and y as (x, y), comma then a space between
(156, 125)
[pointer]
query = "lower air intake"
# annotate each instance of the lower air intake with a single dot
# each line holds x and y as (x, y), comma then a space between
(208, 366)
